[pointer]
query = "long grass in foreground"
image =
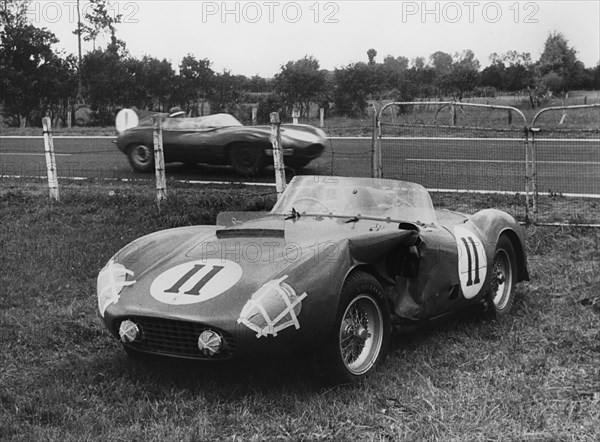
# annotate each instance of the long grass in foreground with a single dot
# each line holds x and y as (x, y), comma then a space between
(534, 376)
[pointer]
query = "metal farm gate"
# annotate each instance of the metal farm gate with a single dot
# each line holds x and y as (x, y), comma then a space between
(489, 156)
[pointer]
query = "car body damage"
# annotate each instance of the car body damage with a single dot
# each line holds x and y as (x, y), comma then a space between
(262, 283)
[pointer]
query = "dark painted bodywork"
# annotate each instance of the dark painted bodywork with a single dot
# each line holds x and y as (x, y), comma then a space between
(416, 263)
(212, 144)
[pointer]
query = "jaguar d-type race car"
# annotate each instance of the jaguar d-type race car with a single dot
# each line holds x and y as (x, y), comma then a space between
(219, 139)
(335, 265)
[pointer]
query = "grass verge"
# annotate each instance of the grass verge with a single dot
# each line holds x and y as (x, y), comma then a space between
(534, 376)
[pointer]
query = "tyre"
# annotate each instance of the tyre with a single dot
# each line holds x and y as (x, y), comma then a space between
(141, 157)
(246, 159)
(360, 340)
(501, 295)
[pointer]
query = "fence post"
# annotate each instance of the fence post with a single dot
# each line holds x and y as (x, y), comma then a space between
(50, 159)
(377, 170)
(277, 153)
(374, 146)
(528, 185)
(534, 189)
(321, 117)
(254, 115)
(159, 162)
(295, 116)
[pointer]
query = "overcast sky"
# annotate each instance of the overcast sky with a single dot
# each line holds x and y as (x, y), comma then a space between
(257, 37)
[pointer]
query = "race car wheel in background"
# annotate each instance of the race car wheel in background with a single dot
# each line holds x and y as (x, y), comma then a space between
(502, 286)
(141, 157)
(246, 159)
(360, 339)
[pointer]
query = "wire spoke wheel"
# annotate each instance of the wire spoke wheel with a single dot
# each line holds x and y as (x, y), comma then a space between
(359, 340)
(502, 280)
(361, 334)
(502, 285)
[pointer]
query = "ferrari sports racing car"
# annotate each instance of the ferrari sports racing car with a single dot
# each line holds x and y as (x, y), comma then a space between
(333, 267)
(219, 139)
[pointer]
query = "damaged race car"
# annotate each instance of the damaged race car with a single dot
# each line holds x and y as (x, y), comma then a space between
(218, 139)
(333, 267)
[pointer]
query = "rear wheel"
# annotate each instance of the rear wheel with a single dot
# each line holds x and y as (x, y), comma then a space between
(360, 339)
(246, 159)
(502, 287)
(141, 157)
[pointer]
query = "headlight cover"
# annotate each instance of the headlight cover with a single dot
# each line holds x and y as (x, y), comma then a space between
(111, 280)
(273, 307)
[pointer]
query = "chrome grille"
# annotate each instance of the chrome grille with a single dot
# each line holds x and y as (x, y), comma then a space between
(177, 338)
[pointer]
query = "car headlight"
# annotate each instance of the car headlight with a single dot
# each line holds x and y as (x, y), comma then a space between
(272, 308)
(111, 280)
(129, 332)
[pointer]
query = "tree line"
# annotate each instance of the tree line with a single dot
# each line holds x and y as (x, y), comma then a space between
(37, 81)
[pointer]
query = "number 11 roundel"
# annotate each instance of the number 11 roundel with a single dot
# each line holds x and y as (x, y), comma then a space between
(472, 262)
(195, 281)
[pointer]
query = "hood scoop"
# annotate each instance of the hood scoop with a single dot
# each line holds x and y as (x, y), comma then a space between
(250, 233)
(250, 225)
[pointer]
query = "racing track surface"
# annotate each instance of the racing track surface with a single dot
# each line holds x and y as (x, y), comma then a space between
(564, 166)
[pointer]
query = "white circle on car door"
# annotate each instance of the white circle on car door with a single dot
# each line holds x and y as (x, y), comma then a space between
(472, 261)
(195, 281)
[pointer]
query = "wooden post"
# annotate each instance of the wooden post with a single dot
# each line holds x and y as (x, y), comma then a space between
(534, 188)
(321, 117)
(50, 159)
(254, 115)
(374, 147)
(528, 182)
(277, 153)
(376, 161)
(295, 115)
(159, 162)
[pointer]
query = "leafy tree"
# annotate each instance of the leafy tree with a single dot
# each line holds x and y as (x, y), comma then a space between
(421, 79)
(30, 71)
(259, 84)
(13, 12)
(300, 83)
(371, 54)
(103, 76)
(227, 92)
(395, 70)
(397, 64)
(493, 75)
(194, 82)
(463, 75)
(157, 80)
(270, 103)
(99, 20)
(355, 85)
(560, 60)
(441, 63)
(418, 62)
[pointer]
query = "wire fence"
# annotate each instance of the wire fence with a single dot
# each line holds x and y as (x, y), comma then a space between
(566, 147)
(549, 168)
(546, 169)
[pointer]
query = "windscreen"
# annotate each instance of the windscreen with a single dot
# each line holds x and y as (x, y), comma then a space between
(357, 197)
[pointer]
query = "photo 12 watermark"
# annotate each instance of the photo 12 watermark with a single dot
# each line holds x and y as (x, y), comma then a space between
(270, 12)
(50, 12)
(470, 12)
